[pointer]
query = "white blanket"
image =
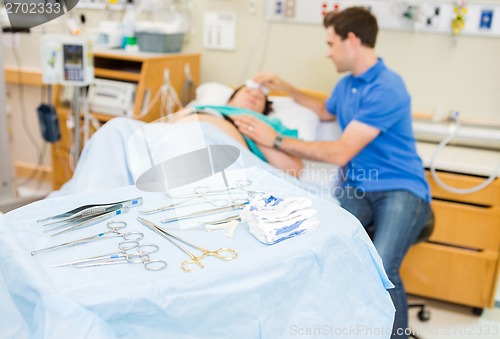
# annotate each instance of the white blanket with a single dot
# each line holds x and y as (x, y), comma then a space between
(117, 155)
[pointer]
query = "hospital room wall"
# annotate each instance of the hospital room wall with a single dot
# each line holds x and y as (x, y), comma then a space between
(440, 74)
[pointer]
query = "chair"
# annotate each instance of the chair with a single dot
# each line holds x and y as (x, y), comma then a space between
(425, 234)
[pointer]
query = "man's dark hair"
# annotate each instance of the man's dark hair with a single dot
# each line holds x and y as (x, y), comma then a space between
(268, 107)
(357, 20)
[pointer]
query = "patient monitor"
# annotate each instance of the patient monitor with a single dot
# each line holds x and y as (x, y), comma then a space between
(66, 60)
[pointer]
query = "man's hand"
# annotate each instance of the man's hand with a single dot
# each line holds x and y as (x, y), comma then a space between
(257, 130)
(271, 81)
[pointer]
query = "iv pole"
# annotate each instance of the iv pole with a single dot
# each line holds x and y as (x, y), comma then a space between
(6, 179)
(8, 198)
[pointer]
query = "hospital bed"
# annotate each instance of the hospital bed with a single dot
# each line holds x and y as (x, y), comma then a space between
(322, 176)
(328, 281)
(293, 116)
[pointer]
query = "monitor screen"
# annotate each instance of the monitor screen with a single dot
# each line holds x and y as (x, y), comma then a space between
(73, 64)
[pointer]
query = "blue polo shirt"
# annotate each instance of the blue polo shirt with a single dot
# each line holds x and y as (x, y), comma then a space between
(379, 98)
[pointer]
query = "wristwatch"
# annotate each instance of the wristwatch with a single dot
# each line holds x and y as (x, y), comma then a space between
(278, 141)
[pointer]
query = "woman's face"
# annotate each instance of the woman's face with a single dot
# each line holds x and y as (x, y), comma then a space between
(249, 98)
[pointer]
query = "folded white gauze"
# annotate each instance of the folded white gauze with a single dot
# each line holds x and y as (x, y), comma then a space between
(272, 219)
(252, 84)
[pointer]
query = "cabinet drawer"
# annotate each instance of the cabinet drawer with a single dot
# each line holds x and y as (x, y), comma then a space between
(464, 225)
(451, 274)
(488, 196)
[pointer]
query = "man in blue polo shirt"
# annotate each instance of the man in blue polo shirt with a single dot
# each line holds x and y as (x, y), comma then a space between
(383, 177)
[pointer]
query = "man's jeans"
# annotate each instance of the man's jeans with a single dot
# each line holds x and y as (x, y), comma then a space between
(398, 218)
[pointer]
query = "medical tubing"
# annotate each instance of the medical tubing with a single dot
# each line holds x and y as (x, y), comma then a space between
(456, 190)
(252, 49)
(168, 95)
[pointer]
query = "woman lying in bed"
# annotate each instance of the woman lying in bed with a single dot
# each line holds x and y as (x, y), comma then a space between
(251, 101)
(106, 161)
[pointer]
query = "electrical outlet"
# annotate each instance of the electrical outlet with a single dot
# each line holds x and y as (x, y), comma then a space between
(252, 6)
(278, 7)
(289, 8)
(432, 16)
(324, 8)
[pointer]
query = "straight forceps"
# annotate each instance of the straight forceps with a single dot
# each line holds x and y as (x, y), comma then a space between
(123, 257)
(114, 231)
(92, 210)
(89, 221)
(194, 261)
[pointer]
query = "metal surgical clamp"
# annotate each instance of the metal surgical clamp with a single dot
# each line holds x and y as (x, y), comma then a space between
(168, 207)
(114, 231)
(204, 192)
(206, 212)
(213, 202)
(221, 253)
(123, 257)
(200, 191)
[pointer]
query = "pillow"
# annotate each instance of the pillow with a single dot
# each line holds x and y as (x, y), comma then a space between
(295, 116)
(284, 108)
(213, 94)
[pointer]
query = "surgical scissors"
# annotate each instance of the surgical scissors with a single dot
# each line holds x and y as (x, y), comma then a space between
(221, 253)
(123, 257)
(114, 228)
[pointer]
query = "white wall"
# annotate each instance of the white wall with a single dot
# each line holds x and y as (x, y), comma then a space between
(440, 75)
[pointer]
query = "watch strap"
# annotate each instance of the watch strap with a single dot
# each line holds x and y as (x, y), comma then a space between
(277, 142)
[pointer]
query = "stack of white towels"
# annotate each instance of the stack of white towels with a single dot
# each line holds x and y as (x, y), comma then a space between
(273, 219)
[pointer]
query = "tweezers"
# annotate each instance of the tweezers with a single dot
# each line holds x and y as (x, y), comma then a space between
(91, 221)
(92, 210)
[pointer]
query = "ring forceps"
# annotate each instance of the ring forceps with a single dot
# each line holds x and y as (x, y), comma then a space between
(113, 232)
(123, 257)
(221, 253)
